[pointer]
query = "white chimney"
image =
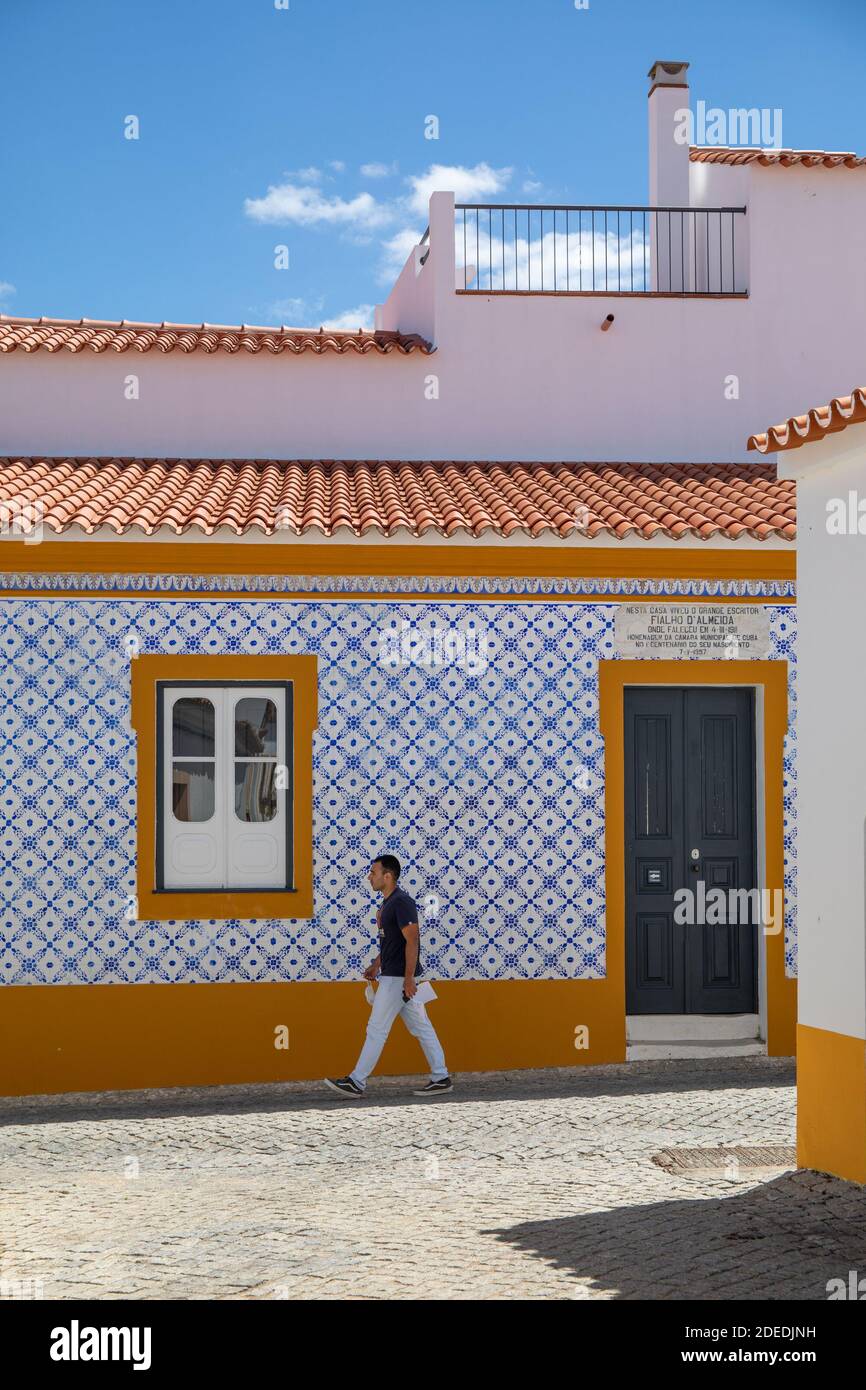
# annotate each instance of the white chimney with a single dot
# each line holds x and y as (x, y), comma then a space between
(668, 157)
(670, 234)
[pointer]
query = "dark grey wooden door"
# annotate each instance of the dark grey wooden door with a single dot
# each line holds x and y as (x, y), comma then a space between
(689, 823)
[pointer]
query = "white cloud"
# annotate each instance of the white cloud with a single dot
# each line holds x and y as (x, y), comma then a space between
(466, 184)
(530, 186)
(6, 291)
(295, 313)
(307, 313)
(395, 252)
(378, 171)
(290, 202)
(338, 166)
(357, 219)
(304, 204)
(581, 259)
(352, 319)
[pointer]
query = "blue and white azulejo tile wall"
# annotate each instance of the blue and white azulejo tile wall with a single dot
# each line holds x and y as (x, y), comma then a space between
(462, 736)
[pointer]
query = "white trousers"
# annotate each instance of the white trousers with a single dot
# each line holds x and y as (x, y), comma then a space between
(387, 1005)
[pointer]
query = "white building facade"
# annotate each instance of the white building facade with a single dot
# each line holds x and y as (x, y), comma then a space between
(525, 606)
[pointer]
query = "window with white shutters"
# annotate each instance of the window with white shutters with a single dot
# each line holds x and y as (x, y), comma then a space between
(224, 786)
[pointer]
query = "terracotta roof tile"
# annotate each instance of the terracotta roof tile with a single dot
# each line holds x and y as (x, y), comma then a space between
(742, 154)
(817, 423)
(96, 335)
(498, 499)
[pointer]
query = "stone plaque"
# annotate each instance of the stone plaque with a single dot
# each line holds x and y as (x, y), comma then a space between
(716, 630)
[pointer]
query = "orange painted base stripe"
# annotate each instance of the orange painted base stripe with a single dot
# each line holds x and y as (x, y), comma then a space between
(56, 1038)
(831, 1103)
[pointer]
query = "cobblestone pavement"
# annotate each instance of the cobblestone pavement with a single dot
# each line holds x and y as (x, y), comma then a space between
(519, 1185)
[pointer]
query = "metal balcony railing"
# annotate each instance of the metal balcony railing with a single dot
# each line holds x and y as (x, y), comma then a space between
(534, 249)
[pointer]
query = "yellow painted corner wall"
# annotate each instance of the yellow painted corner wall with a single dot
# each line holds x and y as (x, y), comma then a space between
(831, 1103)
(56, 1038)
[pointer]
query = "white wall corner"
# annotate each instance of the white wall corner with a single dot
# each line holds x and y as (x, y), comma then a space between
(442, 260)
(819, 455)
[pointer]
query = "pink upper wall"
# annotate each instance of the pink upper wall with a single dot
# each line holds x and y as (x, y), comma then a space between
(513, 377)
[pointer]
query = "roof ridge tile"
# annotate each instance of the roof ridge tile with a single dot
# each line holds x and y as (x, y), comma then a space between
(50, 334)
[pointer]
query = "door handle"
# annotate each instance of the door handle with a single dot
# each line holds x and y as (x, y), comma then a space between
(695, 856)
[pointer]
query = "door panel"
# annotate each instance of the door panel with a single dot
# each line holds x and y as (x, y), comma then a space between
(689, 822)
(654, 849)
(720, 776)
(655, 939)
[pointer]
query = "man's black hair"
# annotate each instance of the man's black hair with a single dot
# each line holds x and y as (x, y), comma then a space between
(390, 863)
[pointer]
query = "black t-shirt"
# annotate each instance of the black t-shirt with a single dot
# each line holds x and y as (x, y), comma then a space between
(397, 911)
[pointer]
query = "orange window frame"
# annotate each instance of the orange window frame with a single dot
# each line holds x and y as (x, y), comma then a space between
(223, 905)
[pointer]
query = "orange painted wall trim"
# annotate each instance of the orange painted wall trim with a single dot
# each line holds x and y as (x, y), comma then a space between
(56, 1038)
(534, 562)
(613, 677)
(159, 906)
(831, 1103)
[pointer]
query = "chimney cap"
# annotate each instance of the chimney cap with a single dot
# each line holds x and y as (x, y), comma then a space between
(668, 74)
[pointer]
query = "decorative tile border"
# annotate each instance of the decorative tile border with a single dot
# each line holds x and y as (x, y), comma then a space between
(401, 584)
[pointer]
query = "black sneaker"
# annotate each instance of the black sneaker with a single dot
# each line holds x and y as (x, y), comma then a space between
(346, 1087)
(436, 1088)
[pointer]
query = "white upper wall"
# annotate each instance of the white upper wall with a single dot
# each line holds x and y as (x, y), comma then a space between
(516, 376)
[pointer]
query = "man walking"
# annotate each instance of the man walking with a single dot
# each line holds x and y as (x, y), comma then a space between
(398, 963)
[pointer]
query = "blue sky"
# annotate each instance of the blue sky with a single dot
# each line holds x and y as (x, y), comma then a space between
(305, 127)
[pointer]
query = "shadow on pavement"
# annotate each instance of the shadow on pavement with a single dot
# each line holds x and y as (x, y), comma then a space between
(782, 1240)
